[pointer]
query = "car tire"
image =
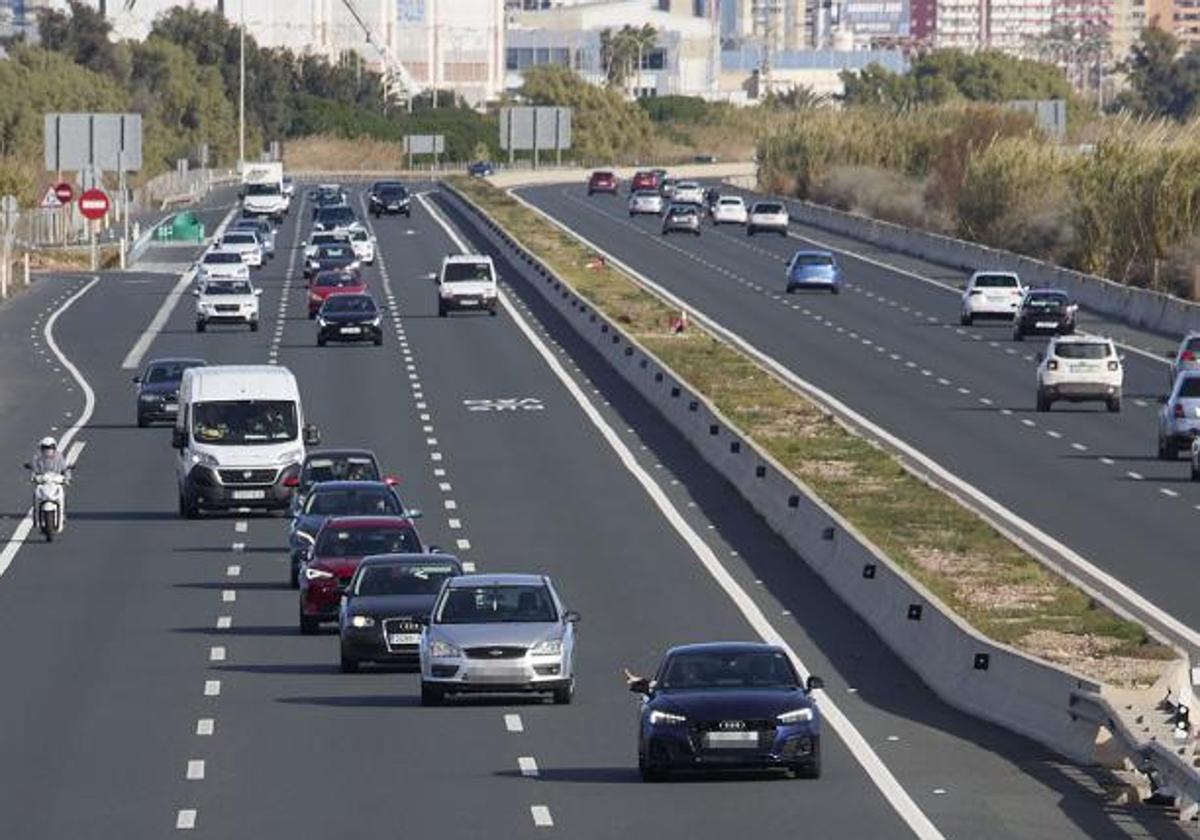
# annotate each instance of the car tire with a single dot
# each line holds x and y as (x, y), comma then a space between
(810, 769)
(201, 326)
(441, 311)
(649, 773)
(1195, 472)
(1018, 335)
(432, 695)
(834, 290)
(492, 310)
(142, 421)
(789, 289)
(1168, 451)
(188, 508)
(294, 574)
(348, 665)
(320, 341)
(1043, 401)
(254, 326)
(696, 231)
(563, 695)
(378, 340)
(1113, 404)
(966, 319)
(312, 314)
(749, 231)
(308, 625)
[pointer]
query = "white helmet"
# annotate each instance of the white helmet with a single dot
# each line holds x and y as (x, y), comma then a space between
(48, 442)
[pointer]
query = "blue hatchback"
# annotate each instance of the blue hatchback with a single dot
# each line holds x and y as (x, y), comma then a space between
(728, 706)
(813, 270)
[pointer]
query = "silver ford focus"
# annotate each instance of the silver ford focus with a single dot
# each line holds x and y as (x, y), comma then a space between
(498, 634)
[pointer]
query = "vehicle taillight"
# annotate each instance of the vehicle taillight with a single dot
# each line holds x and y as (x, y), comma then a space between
(1113, 366)
(1188, 356)
(1178, 412)
(1052, 365)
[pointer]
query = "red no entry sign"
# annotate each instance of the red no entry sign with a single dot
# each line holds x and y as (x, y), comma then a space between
(93, 204)
(64, 192)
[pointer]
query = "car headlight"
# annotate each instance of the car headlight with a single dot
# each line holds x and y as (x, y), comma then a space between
(203, 459)
(362, 621)
(440, 649)
(375, 321)
(321, 322)
(658, 718)
(796, 716)
(316, 574)
(547, 647)
(149, 398)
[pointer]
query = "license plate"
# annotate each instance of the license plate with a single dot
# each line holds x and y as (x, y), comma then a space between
(467, 302)
(171, 407)
(1082, 368)
(351, 330)
(240, 495)
(1046, 325)
(404, 639)
(721, 740)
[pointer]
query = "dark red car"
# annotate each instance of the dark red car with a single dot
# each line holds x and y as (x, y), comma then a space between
(602, 181)
(335, 282)
(644, 180)
(340, 544)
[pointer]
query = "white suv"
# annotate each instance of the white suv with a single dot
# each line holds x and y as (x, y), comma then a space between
(991, 294)
(363, 244)
(731, 209)
(468, 282)
(1079, 368)
(226, 301)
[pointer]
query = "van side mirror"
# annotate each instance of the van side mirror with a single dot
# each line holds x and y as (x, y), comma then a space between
(641, 685)
(813, 683)
(571, 617)
(137, 380)
(177, 438)
(257, 292)
(312, 435)
(27, 465)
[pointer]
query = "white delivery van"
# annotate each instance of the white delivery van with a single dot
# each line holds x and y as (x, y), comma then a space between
(262, 191)
(240, 434)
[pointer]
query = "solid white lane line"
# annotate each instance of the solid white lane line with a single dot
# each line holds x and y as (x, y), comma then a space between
(212, 688)
(72, 456)
(528, 766)
(513, 723)
(216, 654)
(541, 816)
(874, 767)
(204, 726)
(17, 538)
(224, 622)
(195, 769)
(134, 357)
(185, 820)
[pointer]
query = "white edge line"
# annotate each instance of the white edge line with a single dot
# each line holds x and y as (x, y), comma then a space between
(878, 772)
(1134, 599)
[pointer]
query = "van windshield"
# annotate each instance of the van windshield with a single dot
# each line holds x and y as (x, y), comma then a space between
(263, 189)
(459, 272)
(234, 422)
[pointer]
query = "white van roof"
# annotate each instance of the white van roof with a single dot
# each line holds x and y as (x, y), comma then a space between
(240, 382)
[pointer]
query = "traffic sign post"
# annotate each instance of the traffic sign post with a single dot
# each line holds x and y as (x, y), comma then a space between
(93, 204)
(64, 192)
(8, 212)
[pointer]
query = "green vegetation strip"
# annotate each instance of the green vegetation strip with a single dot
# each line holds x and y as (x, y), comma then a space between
(975, 570)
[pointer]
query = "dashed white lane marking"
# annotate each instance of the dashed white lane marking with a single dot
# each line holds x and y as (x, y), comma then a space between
(233, 571)
(195, 769)
(444, 486)
(229, 595)
(528, 766)
(435, 456)
(216, 653)
(985, 401)
(541, 816)
(205, 726)
(463, 545)
(450, 504)
(513, 723)
(1026, 421)
(468, 567)
(239, 547)
(1054, 434)
(1108, 462)
(1135, 476)
(439, 473)
(212, 688)
(454, 524)
(1168, 492)
(224, 622)
(1007, 412)
(240, 527)
(185, 820)
(1140, 403)
(1079, 447)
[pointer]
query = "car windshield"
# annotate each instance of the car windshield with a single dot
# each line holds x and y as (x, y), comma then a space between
(262, 189)
(222, 258)
(350, 303)
(603, 176)
(335, 280)
(496, 604)
(340, 468)
(813, 260)
(232, 422)
(359, 542)
(335, 215)
(239, 239)
(648, 194)
(1081, 350)
(403, 579)
(996, 281)
(744, 669)
(226, 287)
(1189, 386)
(1046, 301)
(334, 252)
(167, 371)
(374, 501)
(458, 272)
(768, 208)
(1193, 344)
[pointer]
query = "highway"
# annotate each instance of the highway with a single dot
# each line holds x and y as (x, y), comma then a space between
(159, 684)
(892, 349)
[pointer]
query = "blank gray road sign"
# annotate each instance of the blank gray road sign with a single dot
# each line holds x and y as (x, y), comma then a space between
(424, 144)
(527, 128)
(110, 141)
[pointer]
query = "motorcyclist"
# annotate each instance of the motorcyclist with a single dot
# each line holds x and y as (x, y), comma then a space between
(48, 459)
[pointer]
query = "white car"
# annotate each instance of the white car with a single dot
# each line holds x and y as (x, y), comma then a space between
(247, 244)
(218, 262)
(226, 301)
(646, 202)
(324, 237)
(688, 192)
(467, 282)
(363, 244)
(1080, 368)
(767, 216)
(991, 294)
(730, 209)
(289, 188)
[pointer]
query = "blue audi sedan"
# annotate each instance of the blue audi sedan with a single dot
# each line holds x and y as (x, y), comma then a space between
(813, 270)
(728, 706)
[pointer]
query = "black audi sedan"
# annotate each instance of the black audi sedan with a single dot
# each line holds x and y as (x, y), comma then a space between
(349, 317)
(158, 389)
(387, 603)
(1044, 311)
(728, 705)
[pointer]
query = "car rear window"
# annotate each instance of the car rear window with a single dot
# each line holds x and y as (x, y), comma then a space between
(768, 208)
(1193, 344)
(334, 252)
(996, 281)
(497, 604)
(349, 303)
(239, 239)
(221, 258)
(728, 202)
(810, 260)
(359, 542)
(336, 280)
(1189, 386)
(356, 502)
(1081, 350)
(403, 579)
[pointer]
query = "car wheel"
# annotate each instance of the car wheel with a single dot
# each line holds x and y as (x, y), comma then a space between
(811, 769)
(1043, 401)
(696, 231)
(1168, 451)
(749, 231)
(349, 666)
(432, 695)
(312, 314)
(1195, 472)
(834, 290)
(965, 319)
(563, 695)
(378, 340)
(1113, 404)
(294, 575)
(308, 625)
(631, 214)
(254, 326)
(492, 310)
(441, 311)
(649, 773)
(188, 508)
(320, 341)
(142, 421)
(1018, 335)
(201, 326)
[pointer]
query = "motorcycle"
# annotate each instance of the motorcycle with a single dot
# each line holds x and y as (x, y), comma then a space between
(49, 502)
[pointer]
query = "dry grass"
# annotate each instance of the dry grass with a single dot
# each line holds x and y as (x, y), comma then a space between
(972, 568)
(341, 154)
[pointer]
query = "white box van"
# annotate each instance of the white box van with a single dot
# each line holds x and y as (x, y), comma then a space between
(262, 191)
(241, 437)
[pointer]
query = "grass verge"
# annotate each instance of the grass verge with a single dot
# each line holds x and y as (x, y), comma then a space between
(971, 567)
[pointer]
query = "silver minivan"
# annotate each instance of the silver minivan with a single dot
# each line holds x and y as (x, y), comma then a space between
(1179, 419)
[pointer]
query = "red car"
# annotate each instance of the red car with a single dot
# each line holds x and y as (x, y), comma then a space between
(336, 282)
(644, 180)
(340, 544)
(602, 182)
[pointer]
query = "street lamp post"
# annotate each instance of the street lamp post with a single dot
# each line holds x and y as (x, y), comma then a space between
(242, 91)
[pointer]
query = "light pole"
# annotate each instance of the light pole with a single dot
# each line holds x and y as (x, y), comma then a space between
(242, 91)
